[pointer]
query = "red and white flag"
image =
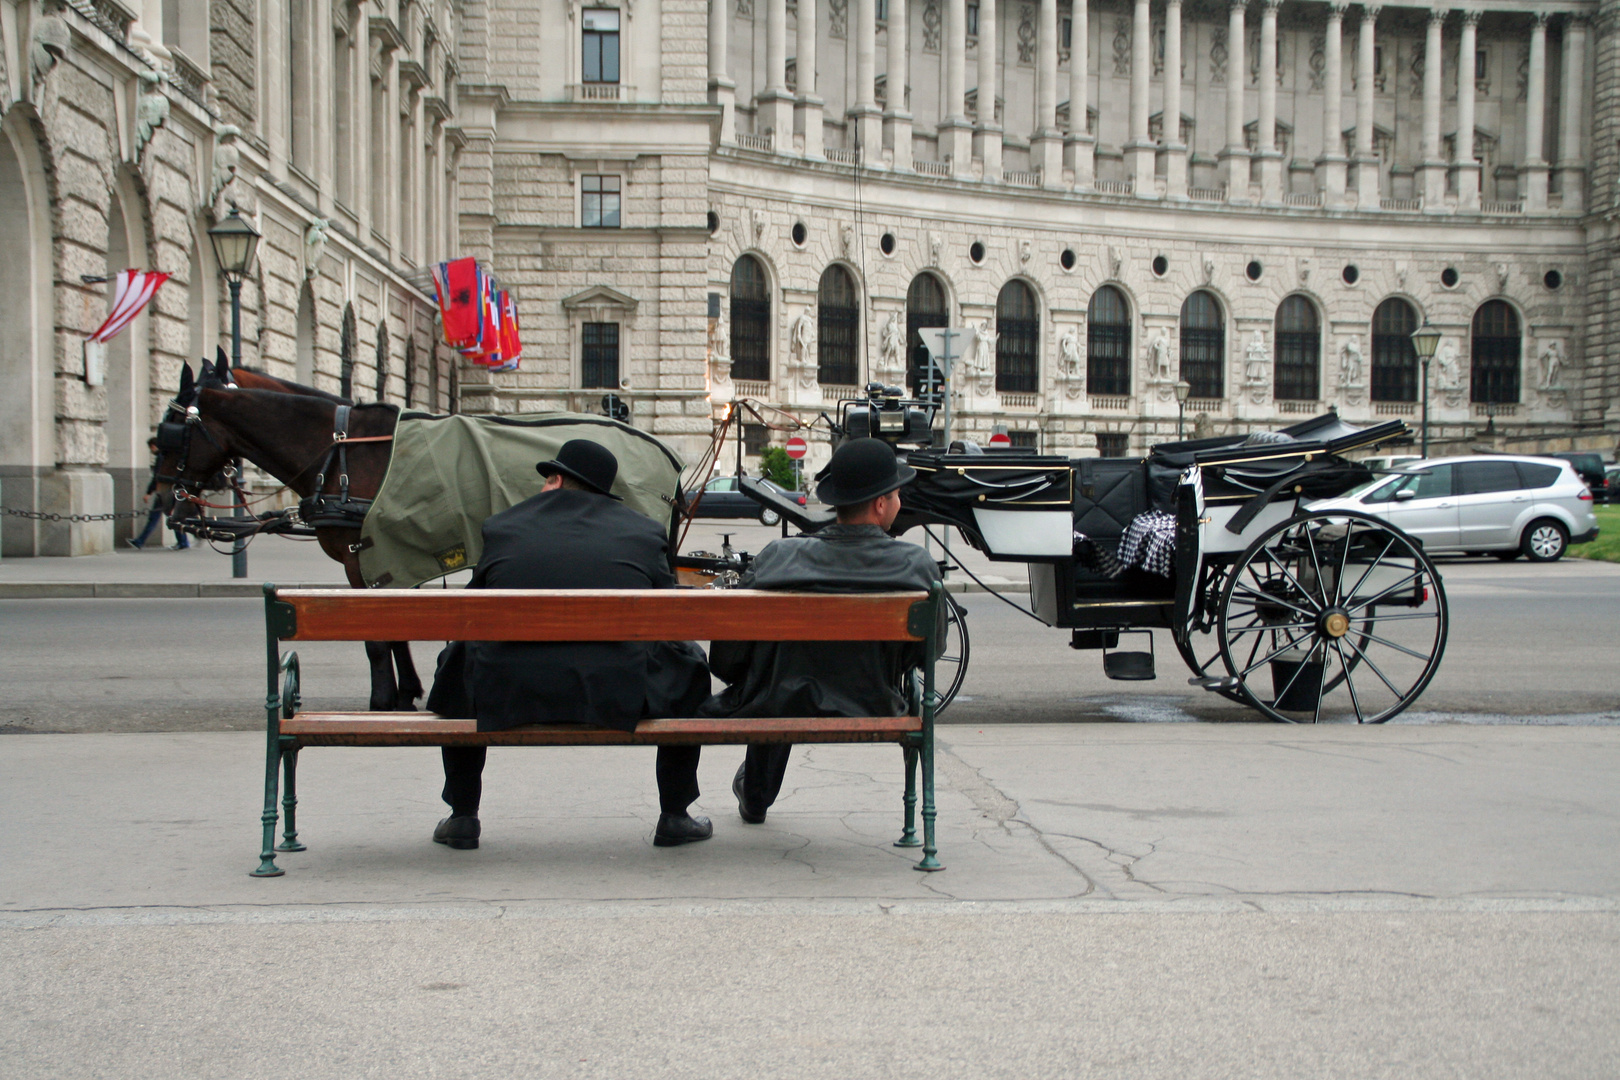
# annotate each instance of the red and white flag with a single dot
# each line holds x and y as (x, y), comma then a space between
(135, 289)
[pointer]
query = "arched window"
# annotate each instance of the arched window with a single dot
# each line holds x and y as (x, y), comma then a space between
(750, 321)
(304, 333)
(1496, 350)
(1108, 343)
(382, 361)
(1394, 358)
(1299, 351)
(1018, 322)
(838, 329)
(1203, 346)
(926, 307)
(347, 339)
(410, 372)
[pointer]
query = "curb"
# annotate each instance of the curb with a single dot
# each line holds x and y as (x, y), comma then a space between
(217, 590)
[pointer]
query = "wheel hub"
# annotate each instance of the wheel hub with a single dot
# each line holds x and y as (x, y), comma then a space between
(1335, 622)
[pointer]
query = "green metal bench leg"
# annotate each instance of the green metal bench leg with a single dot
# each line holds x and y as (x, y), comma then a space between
(929, 860)
(289, 801)
(908, 836)
(930, 702)
(272, 762)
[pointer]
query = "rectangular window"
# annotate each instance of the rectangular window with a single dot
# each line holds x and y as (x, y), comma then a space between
(1297, 366)
(1482, 65)
(1068, 33)
(599, 355)
(601, 60)
(1023, 440)
(882, 10)
(973, 20)
(1113, 443)
(756, 437)
(599, 202)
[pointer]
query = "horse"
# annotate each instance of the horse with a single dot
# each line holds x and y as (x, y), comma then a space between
(254, 379)
(290, 436)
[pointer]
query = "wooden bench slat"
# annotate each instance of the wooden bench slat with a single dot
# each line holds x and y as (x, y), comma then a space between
(599, 615)
(419, 729)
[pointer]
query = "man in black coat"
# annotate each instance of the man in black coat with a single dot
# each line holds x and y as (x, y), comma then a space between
(825, 678)
(575, 534)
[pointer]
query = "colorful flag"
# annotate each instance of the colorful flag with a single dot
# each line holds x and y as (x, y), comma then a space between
(458, 286)
(134, 292)
(511, 346)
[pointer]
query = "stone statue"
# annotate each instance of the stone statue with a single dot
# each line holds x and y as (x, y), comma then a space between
(1450, 370)
(1353, 368)
(1552, 366)
(984, 348)
(151, 110)
(227, 155)
(1026, 252)
(1159, 358)
(892, 345)
(314, 245)
(1257, 360)
(846, 236)
(936, 244)
(1069, 352)
(802, 338)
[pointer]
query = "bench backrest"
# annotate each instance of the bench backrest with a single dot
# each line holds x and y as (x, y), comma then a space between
(596, 615)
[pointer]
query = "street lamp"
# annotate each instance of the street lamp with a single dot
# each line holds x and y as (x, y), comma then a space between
(235, 242)
(1183, 388)
(1425, 339)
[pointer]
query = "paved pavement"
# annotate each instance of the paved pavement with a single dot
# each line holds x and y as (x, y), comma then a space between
(1120, 900)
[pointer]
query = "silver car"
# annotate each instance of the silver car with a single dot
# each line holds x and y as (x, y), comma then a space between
(1507, 506)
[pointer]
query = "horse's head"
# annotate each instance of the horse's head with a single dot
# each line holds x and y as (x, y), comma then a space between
(191, 451)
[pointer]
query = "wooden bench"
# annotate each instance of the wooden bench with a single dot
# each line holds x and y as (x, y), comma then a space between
(586, 615)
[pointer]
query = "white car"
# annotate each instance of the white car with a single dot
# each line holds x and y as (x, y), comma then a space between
(1392, 461)
(1507, 506)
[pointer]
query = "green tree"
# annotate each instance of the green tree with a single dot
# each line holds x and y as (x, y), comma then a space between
(778, 468)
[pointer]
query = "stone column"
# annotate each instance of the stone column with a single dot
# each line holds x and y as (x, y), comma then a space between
(1571, 163)
(1046, 151)
(1330, 166)
(775, 103)
(722, 88)
(866, 116)
(810, 106)
(897, 117)
(987, 132)
(1235, 157)
(1266, 138)
(1080, 146)
(146, 32)
(1140, 151)
(955, 133)
(1468, 169)
(1175, 151)
(1432, 169)
(1366, 162)
(1533, 173)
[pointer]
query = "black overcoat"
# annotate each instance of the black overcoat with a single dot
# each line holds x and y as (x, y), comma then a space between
(569, 539)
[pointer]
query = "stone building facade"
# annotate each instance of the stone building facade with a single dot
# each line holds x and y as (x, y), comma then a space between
(127, 129)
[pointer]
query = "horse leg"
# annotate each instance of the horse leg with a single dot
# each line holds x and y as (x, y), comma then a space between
(410, 685)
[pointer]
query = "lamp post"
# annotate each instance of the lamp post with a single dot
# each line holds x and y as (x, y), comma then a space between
(1425, 339)
(1183, 388)
(235, 242)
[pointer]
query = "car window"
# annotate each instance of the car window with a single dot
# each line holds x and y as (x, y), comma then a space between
(1382, 490)
(1434, 482)
(722, 483)
(1532, 475)
(1483, 477)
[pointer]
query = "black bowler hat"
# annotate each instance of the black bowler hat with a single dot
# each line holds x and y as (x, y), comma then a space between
(592, 464)
(861, 470)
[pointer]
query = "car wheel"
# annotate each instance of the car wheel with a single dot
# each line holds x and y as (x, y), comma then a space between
(1545, 541)
(767, 516)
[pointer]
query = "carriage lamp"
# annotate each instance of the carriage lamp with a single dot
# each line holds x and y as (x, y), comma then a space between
(1183, 389)
(1425, 339)
(235, 241)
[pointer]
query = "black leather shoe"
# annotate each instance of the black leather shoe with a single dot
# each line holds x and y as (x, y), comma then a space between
(676, 829)
(745, 809)
(460, 833)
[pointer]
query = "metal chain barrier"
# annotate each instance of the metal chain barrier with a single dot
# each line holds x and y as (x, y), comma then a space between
(36, 515)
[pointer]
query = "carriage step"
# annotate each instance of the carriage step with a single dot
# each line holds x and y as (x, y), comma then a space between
(1215, 682)
(1129, 666)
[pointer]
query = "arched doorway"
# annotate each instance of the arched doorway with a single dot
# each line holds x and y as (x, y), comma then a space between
(1108, 343)
(1203, 346)
(1018, 344)
(926, 306)
(838, 329)
(1394, 357)
(129, 376)
(1496, 351)
(410, 371)
(348, 337)
(382, 361)
(750, 321)
(1297, 376)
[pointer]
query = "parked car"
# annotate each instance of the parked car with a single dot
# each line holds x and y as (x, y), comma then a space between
(1589, 466)
(723, 499)
(1612, 474)
(1507, 506)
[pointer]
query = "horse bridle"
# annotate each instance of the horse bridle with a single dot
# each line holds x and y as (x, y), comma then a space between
(175, 435)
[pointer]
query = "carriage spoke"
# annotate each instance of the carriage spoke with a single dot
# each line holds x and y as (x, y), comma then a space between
(1365, 573)
(1298, 671)
(1281, 565)
(1234, 632)
(1376, 669)
(1414, 615)
(1267, 598)
(1270, 656)
(1321, 688)
(1399, 585)
(1391, 645)
(1344, 562)
(1316, 563)
(1349, 681)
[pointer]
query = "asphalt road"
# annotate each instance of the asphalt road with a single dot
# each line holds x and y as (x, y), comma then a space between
(1526, 641)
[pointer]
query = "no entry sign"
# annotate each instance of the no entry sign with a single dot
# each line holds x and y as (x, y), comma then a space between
(797, 448)
(1000, 439)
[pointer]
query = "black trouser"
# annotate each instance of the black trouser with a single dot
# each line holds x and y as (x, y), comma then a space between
(677, 778)
(762, 773)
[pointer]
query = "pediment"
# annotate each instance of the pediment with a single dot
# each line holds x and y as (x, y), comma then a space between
(600, 296)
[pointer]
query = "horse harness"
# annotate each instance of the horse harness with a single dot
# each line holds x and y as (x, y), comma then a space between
(321, 510)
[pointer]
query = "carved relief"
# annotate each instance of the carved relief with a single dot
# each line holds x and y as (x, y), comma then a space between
(930, 22)
(838, 18)
(936, 244)
(745, 9)
(1217, 56)
(1158, 359)
(892, 348)
(1318, 61)
(1552, 366)
(1026, 252)
(1122, 45)
(1524, 72)
(1419, 64)
(1449, 376)
(1026, 34)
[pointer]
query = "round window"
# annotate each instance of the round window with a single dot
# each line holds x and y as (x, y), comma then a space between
(976, 253)
(1066, 260)
(1254, 270)
(1161, 266)
(714, 222)
(1352, 274)
(1553, 279)
(1449, 277)
(799, 233)
(886, 243)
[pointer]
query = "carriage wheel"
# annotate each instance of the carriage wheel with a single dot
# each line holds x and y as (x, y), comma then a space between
(1332, 616)
(951, 668)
